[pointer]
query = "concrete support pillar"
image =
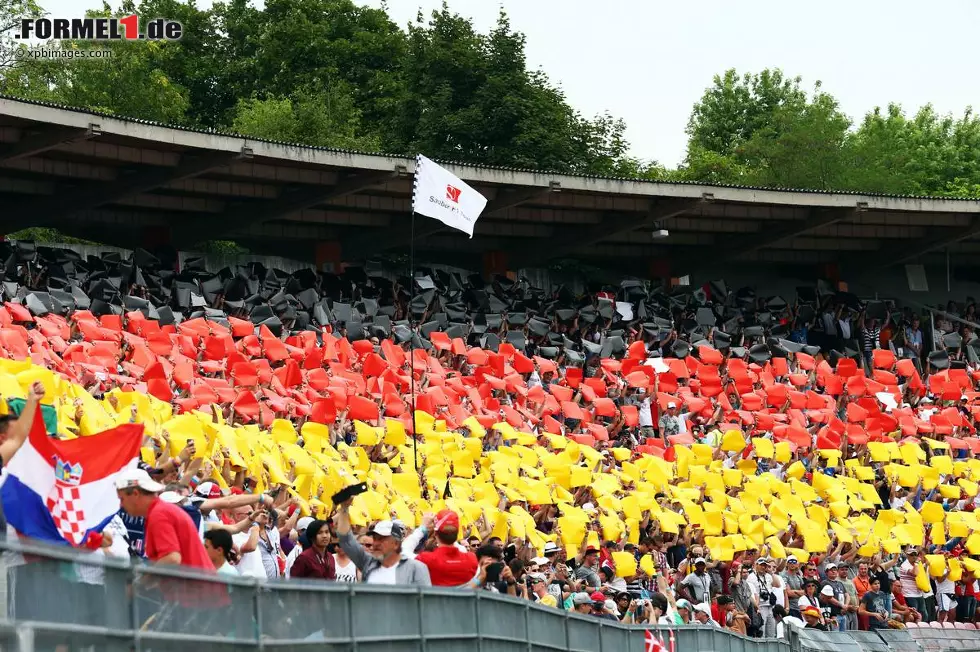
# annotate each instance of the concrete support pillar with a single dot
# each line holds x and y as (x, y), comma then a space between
(494, 262)
(155, 236)
(660, 268)
(328, 257)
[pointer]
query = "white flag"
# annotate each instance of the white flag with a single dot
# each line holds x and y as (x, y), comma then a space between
(442, 195)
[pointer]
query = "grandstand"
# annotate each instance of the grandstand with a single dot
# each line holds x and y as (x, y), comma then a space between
(632, 446)
(128, 183)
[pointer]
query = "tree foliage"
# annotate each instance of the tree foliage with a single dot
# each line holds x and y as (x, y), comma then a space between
(334, 73)
(764, 129)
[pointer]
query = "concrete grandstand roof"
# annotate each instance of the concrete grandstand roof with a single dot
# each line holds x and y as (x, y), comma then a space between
(128, 183)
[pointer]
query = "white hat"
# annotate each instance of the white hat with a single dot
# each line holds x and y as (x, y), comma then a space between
(389, 529)
(610, 605)
(137, 478)
(704, 608)
(671, 405)
(551, 547)
(304, 523)
(791, 559)
(830, 566)
(700, 560)
(540, 561)
(172, 497)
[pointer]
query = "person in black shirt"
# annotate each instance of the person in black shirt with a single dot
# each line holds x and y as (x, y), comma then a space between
(873, 606)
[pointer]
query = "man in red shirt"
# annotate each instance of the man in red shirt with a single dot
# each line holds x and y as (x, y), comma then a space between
(448, 565)
(171, 536)
(191, 606)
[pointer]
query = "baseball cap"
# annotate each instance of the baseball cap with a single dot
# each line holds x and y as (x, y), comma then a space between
(700, 560)
(591, 550)
(581, 598)
(388, 529)
(137, 479)
(537, 577)
(671, 405)
(447, 519)
(611, 606)
(792, 560)
(540, 561)
(209, 490)
(683, 604)
(811, 611)
(703, 608)
(303, 523)
(598, 596)
(172, 497)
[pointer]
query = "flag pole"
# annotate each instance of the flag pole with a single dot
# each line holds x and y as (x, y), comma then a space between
(411, 345)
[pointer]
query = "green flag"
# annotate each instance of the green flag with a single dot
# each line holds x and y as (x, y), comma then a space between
(48, 412)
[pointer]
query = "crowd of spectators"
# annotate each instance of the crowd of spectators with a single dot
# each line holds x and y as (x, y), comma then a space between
(643, 455)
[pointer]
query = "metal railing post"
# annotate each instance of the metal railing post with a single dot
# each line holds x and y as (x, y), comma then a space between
(479, 630)
(568, 637)
(351, 590)
(527, 624)
(134, 612)
(25, 639)
(421, 602)
(258, 625)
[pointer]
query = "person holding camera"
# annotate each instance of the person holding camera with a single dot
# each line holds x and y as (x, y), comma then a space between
(833, 598)
(761, 582)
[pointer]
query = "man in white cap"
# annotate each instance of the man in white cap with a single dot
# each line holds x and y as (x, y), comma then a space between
(670, 422)
(696, 586)
(171, 537)
(386, 563)
(702, 614)
(301, 526)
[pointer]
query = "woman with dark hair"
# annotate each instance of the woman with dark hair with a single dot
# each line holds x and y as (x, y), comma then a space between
(315, 562)
(221, 551)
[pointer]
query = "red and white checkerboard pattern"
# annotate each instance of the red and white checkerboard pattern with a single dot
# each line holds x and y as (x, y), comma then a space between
(65, 505)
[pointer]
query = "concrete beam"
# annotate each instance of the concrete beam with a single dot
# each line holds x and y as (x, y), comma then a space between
(291, 201)
(44, 140)
(57, 210)
(575, 239)
(509, 198)
(297, 155)
(900, 254)
(769, 235)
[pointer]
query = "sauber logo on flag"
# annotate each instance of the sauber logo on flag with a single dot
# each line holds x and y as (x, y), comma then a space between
(440, 195)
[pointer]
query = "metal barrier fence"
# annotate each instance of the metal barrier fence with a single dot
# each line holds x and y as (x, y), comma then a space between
(60, 599)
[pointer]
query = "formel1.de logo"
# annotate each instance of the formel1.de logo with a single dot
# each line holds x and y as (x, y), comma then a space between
(99, 29)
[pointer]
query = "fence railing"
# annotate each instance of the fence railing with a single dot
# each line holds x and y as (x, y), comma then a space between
(58, 599)
(61, 599)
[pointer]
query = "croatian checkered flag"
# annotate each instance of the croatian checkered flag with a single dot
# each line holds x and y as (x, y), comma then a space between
(441, 195)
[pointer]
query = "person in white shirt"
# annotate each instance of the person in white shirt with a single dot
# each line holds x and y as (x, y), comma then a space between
(761, 582)
(702, 615)
(220, 548)
(249, 558)
(785, 621)
(344, 565)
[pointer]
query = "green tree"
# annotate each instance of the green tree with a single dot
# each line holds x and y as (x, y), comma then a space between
(764, 129)
(131, 82)
(927, 154)
(11, 12)
(326, 119)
